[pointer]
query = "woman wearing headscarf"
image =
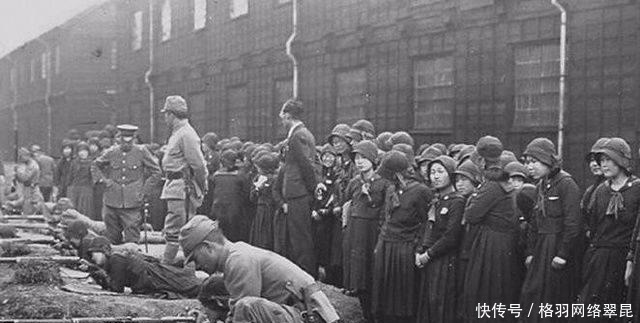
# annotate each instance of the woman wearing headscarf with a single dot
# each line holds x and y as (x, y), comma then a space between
(492, 275)
(554, 230)
(611, 213)
(438, 253)
(395, 277)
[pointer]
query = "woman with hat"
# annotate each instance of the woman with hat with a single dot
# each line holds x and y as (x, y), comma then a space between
(555, 228)
(492, 270)
(611, 213)
(261, 195)
(81, 183)
(438, 253)
(395, 277)
(596, 171)
(367, 195)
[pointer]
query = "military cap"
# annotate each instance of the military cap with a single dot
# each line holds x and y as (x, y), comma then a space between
(127, 130)
(24, 152)
(193, 233)
(175, 103)
(77, 229)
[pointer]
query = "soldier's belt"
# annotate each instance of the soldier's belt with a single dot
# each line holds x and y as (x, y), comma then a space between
(174, 175)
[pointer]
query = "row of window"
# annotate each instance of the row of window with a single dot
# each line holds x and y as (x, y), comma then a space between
(237, 8)
(536, 76)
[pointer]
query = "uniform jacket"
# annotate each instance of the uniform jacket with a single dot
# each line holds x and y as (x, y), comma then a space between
(299, 177)
(183, 154)
(251, 271)
(444, 233)
(613, 229)
(126, 174)
(557, 211)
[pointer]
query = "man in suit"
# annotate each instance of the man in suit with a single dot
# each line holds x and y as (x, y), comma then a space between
(298, 183)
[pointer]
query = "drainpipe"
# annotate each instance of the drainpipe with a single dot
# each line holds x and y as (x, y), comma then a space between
(147, 77)
(563, 73)
(289, 44)
(14, 105)
(47, 95)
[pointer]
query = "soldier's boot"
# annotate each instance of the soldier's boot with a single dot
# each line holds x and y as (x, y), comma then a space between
(170, 252)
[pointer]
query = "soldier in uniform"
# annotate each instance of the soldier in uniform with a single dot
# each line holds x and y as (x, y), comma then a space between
(121, 168)
(185, 170)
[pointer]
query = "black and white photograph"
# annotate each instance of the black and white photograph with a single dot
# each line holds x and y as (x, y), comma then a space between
(319, 161)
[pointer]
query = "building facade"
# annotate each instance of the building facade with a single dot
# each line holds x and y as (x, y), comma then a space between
(447, 71)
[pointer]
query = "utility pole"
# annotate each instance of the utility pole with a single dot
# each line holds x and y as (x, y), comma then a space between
(147, 78)
(289, 45)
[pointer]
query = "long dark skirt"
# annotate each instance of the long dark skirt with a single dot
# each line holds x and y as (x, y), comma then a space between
(232, 220)
(98, 193)
(280, 233)
(82, 199)
(360, 237)
(492, 274)
(543, 284)
(395, 279)
(322, 236)
(438, 294)
(261, 234)
(603, 274)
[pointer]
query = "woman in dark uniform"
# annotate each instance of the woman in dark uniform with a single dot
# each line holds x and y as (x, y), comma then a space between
(554, 231)
(395, 277)
(438, 254)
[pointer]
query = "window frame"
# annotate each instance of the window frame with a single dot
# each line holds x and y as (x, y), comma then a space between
(363, 107)
(448, 127)
(552, 122)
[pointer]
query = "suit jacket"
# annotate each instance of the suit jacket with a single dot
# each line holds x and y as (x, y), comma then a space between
(299, 175)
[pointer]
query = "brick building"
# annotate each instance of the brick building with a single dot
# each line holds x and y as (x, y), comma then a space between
(448, 71)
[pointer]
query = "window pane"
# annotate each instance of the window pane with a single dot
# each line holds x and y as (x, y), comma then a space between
(199, 14)
(537, 74)
(43, 66)
(114, 55)
(166, 20)
(136, 31)
(351, 99)
(239, 8)
(434, 94)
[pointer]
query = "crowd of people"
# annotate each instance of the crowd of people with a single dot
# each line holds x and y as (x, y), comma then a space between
(418, 233)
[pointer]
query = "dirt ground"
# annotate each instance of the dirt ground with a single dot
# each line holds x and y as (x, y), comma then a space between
(42, 302)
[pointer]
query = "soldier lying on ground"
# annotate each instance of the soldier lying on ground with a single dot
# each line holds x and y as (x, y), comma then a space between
(143, 274)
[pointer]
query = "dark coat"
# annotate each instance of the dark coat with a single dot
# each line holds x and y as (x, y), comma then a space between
(442, 238)
(299, 175)
(555, 229)
(261, 234)
(231, 195)
(492, 257)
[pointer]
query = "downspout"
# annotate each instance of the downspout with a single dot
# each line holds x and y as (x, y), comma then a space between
(147, 77)
(293, 36)
(14, 105)
(47, 95)
(563, 73)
